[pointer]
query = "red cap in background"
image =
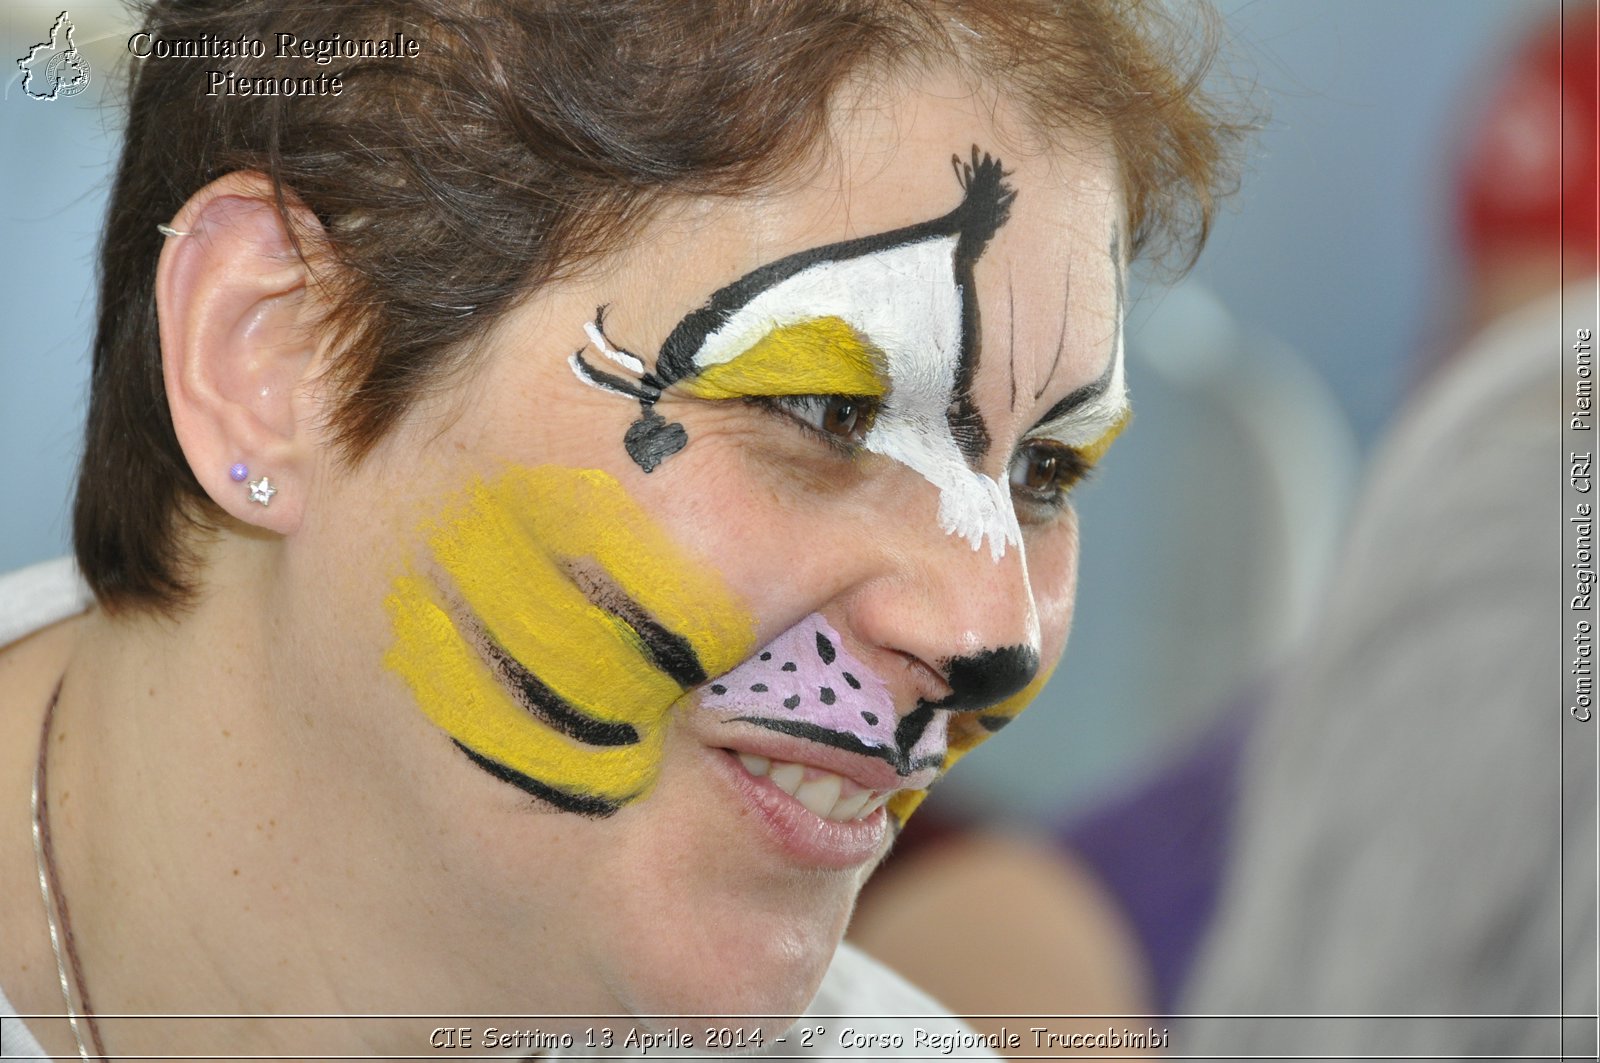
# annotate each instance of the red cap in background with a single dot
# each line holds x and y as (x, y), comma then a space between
(1534, 152)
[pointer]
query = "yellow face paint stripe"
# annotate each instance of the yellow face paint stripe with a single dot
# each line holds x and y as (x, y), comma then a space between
(822, 356)
(586, 515)
(531, 608)
(459, 694)
(513, 551)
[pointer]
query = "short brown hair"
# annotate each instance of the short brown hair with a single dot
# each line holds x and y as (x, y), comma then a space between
(526, 139)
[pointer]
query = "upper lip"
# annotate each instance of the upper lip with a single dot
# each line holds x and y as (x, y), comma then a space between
(869, 773)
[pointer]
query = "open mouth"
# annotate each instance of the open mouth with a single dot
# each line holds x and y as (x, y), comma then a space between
(823, 793)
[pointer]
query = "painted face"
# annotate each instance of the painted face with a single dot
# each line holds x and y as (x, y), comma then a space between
(890, 325)
(565, 626)
(562, 630)
(891, 320)
(695, 615)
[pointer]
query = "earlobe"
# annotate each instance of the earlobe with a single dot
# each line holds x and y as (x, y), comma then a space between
(240, 350)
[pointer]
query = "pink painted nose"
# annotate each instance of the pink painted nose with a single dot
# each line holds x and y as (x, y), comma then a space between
(806, 684)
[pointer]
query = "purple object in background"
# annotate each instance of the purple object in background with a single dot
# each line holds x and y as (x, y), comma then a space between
(1160, 848)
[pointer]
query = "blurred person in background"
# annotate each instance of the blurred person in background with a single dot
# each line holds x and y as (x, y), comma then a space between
(1405, 833)
(1380, 830)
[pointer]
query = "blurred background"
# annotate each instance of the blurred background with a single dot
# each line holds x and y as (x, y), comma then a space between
(1258, 383)
(1261, 385)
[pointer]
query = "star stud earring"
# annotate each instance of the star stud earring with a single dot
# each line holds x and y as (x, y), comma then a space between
(262, 491)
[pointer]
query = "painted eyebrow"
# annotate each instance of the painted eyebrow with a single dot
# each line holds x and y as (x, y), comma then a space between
(1082, 396)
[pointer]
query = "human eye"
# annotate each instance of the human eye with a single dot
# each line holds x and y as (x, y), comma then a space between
(841, 420)
(1042, 474)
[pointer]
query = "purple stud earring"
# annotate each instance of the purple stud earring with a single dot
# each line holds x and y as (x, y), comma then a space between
(238, 472)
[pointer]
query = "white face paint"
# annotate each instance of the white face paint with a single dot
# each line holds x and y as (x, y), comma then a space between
(906, 302)
(909, 296)
(1089, 415)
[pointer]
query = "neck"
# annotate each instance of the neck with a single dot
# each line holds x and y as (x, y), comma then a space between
(219, 861)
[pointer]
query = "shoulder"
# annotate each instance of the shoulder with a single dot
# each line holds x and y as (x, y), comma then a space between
(34, 643)
(37, 596)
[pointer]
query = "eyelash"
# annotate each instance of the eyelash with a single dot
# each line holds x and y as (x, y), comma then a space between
(1072, 470)
(1073, 467)
(795, 408)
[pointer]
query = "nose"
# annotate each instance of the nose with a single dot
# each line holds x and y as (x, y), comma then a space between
(948, 607)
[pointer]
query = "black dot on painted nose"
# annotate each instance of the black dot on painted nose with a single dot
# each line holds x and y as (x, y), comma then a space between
(788, 666)
(792, 701)
(870, 717)
(718, 688)
(827, 695)
(766, 655)
(759, 688)
(855, 684)
(825, 649)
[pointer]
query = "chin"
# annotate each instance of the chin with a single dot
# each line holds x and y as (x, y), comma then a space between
(744, 968)
(713, 933)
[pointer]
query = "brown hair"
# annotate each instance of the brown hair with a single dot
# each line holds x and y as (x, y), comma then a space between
(525, 139)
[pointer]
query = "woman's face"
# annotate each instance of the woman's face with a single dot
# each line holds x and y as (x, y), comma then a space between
(725, 551)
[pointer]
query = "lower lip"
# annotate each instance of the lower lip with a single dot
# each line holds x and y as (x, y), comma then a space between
(801, 835)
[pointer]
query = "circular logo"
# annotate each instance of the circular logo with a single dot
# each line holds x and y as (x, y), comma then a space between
(68, 72)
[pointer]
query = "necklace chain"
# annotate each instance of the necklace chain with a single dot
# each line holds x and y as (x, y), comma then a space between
(50, 891)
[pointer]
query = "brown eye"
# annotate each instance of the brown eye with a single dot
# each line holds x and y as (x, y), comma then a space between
(844, 418)
(841, 417)
(1041, 474)
(1045, 472)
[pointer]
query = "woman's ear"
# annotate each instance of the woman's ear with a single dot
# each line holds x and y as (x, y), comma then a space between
(240, 349)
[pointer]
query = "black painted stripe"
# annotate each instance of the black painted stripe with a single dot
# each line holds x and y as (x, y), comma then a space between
(973, 221)
(601, 378)
(667, 650)
(1078, 396)
(837, 739)
(1097, 387)
(910, 728)
(562, 800)
(551, 708)
(983, 210)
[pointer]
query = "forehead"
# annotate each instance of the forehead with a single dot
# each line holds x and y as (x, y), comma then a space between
(1046, 280)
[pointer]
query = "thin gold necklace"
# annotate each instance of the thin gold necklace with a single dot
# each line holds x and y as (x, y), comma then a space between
(54, 901)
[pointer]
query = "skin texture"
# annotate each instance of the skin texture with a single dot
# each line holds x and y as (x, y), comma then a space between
(524, 653)
(257, 776)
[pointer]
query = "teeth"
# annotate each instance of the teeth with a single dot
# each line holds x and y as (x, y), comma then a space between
(824, 794)
(787, 777)
(820, 794)
(850, 807)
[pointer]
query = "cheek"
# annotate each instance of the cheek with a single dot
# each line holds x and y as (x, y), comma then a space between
(783, 528)
(1053, 576)
(555, 631)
